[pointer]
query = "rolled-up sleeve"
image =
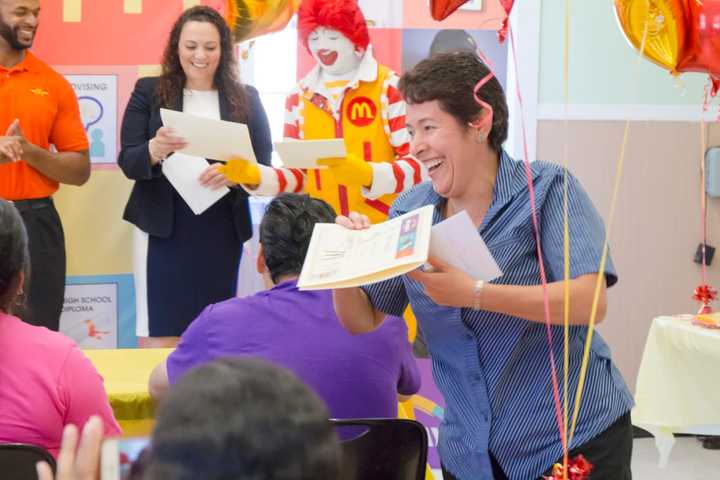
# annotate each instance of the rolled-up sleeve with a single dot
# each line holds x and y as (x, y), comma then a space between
(586, 229)
(388, 296)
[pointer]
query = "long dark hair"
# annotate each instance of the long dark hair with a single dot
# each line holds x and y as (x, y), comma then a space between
(14, 257)
(172, 80)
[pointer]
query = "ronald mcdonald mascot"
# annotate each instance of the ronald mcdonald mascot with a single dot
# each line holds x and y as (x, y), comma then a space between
(349, 95)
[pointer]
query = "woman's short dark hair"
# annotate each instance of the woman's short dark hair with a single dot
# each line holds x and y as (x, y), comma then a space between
(172, 80)
(286, 229)
(14, 256)
(243, 419)
(450, 78)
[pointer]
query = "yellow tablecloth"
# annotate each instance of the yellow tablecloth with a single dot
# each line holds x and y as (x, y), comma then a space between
(678, 384)
(126, 373)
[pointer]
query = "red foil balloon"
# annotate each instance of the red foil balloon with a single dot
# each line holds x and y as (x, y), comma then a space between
(507, 6)
(702, 42)
(440, 9)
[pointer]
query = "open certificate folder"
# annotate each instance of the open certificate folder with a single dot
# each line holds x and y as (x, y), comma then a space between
(338, 257)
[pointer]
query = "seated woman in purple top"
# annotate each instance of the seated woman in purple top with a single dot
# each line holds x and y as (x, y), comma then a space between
(358, 376)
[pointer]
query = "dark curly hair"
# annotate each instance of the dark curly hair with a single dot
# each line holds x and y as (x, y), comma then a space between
(242, 419)
(286, 229)
(14, 256)
(172, 80)
(450, 78)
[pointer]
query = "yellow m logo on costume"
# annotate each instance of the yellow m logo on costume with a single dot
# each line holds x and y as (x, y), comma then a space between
(361, 110)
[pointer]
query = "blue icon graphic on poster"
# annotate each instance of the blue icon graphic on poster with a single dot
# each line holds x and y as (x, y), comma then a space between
(91, 112)
(97, 99)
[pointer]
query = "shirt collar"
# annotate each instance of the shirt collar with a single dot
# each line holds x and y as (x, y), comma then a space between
(29, 63)
(510, 180)
(367, 72)
(286, 285)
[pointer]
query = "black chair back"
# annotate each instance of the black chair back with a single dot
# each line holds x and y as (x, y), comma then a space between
(385, 449)
(17, 461)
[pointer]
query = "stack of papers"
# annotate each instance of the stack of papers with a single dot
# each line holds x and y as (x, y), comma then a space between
(183, 172)
(223, 140)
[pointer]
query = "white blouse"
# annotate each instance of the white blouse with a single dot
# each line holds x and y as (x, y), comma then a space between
(203, 103)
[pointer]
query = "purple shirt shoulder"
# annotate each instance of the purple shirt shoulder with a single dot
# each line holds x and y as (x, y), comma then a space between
(358, 376)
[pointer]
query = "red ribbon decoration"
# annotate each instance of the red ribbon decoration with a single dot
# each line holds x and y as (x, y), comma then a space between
(705, 293)
(579, 468)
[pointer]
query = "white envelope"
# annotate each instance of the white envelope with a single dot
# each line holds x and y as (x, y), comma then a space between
(183, 172)
(457, 242)
(305, 153)
(209, 137)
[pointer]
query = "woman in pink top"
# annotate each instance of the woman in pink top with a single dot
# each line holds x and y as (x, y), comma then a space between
(45, 380)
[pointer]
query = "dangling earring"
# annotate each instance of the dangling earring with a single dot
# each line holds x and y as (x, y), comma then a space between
(480, 137)
(20, 297)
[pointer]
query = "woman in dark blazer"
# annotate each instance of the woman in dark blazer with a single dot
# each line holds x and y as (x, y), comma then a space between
(192, 260)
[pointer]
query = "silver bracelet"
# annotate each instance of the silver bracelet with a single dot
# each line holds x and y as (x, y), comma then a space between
(477, 291)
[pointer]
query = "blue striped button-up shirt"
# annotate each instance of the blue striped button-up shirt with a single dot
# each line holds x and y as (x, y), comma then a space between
(494, 369)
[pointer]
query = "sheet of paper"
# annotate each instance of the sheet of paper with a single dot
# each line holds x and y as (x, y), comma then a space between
(456, 241)
(339, 258)
(183, 172)
(305, 153)
(210, 138)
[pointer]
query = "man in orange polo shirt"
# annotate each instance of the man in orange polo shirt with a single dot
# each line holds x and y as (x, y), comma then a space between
(38, 107)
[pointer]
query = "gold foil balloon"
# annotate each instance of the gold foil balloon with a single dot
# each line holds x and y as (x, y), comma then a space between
(665, 24)
(682, 35)
(252, 18)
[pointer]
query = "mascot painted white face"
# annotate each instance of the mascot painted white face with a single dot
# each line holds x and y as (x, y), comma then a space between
(334, 52)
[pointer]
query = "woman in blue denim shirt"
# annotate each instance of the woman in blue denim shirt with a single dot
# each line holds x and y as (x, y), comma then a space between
(487, 341)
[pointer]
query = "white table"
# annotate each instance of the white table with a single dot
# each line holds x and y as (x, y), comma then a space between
(678, 385)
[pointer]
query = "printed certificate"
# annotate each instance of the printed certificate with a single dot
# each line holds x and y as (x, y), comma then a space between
(339, 258)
